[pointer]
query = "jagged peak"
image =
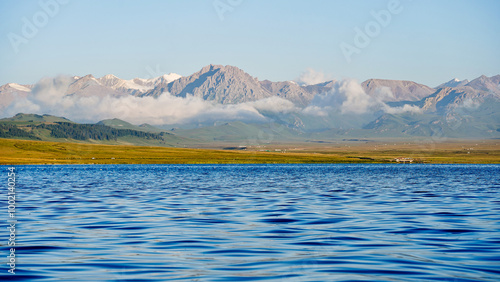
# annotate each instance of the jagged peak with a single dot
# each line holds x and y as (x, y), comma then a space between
(390, 80)
(210, 67)
(483, 78)
(455, 82)
(110, 76)
(88, 76)
(226, 68)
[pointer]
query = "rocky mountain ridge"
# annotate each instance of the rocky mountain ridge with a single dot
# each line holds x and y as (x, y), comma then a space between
(231, 85)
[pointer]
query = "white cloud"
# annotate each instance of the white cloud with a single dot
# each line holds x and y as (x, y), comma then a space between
(403, 109)
(311, 77)
(49, 97)
(274, 104)
(22, 105)
(383, 94)
(470, 104)
(317, 110)
(349, 97)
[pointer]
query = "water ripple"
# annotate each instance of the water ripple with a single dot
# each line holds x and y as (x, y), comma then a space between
(258, 222)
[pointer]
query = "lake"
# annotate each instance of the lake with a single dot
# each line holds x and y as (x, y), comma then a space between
(334, 222)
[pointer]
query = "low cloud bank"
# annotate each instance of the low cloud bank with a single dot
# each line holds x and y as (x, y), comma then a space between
(311, 77)
(348, 97)
(50, 96)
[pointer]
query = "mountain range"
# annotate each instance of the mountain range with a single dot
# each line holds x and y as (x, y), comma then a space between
(373, 108)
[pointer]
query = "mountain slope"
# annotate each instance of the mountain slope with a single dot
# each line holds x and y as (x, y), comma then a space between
(471, 110)
(453, 83)
(435, 127)
(231, 85)
(86, 86)
(226, 85)
(12, 91)
(291, 91)
(446, 99)
(401, 90)
(249, 134)
(121, 124)
(484, 83)
(135, 86)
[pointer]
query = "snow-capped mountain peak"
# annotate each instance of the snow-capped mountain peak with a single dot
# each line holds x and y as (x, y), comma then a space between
(18, 87)
(171, 76)
(453, 83)
(117, 83)
(166, 78)
(137, 84)
(109, 77)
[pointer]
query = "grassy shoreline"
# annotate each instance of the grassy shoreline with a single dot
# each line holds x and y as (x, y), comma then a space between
(19, 152)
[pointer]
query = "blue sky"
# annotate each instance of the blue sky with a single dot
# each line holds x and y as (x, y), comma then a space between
(425, 41)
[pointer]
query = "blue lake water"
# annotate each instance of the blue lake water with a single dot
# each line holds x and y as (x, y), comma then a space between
(256, 222)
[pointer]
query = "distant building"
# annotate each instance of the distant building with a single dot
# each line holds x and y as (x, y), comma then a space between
(404, 160)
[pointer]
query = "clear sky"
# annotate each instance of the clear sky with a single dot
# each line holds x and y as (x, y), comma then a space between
(427, 41)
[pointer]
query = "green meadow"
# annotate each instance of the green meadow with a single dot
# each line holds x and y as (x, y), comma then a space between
(18, 152)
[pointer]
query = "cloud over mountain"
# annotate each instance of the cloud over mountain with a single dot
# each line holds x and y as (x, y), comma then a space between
(49, 96)
(56, 97)
(349, 97)
(311, 77)
(224, 93)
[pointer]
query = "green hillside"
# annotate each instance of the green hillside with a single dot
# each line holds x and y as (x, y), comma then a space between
(239, 131)
(59, 129)
(24, 119)
(121, 124)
